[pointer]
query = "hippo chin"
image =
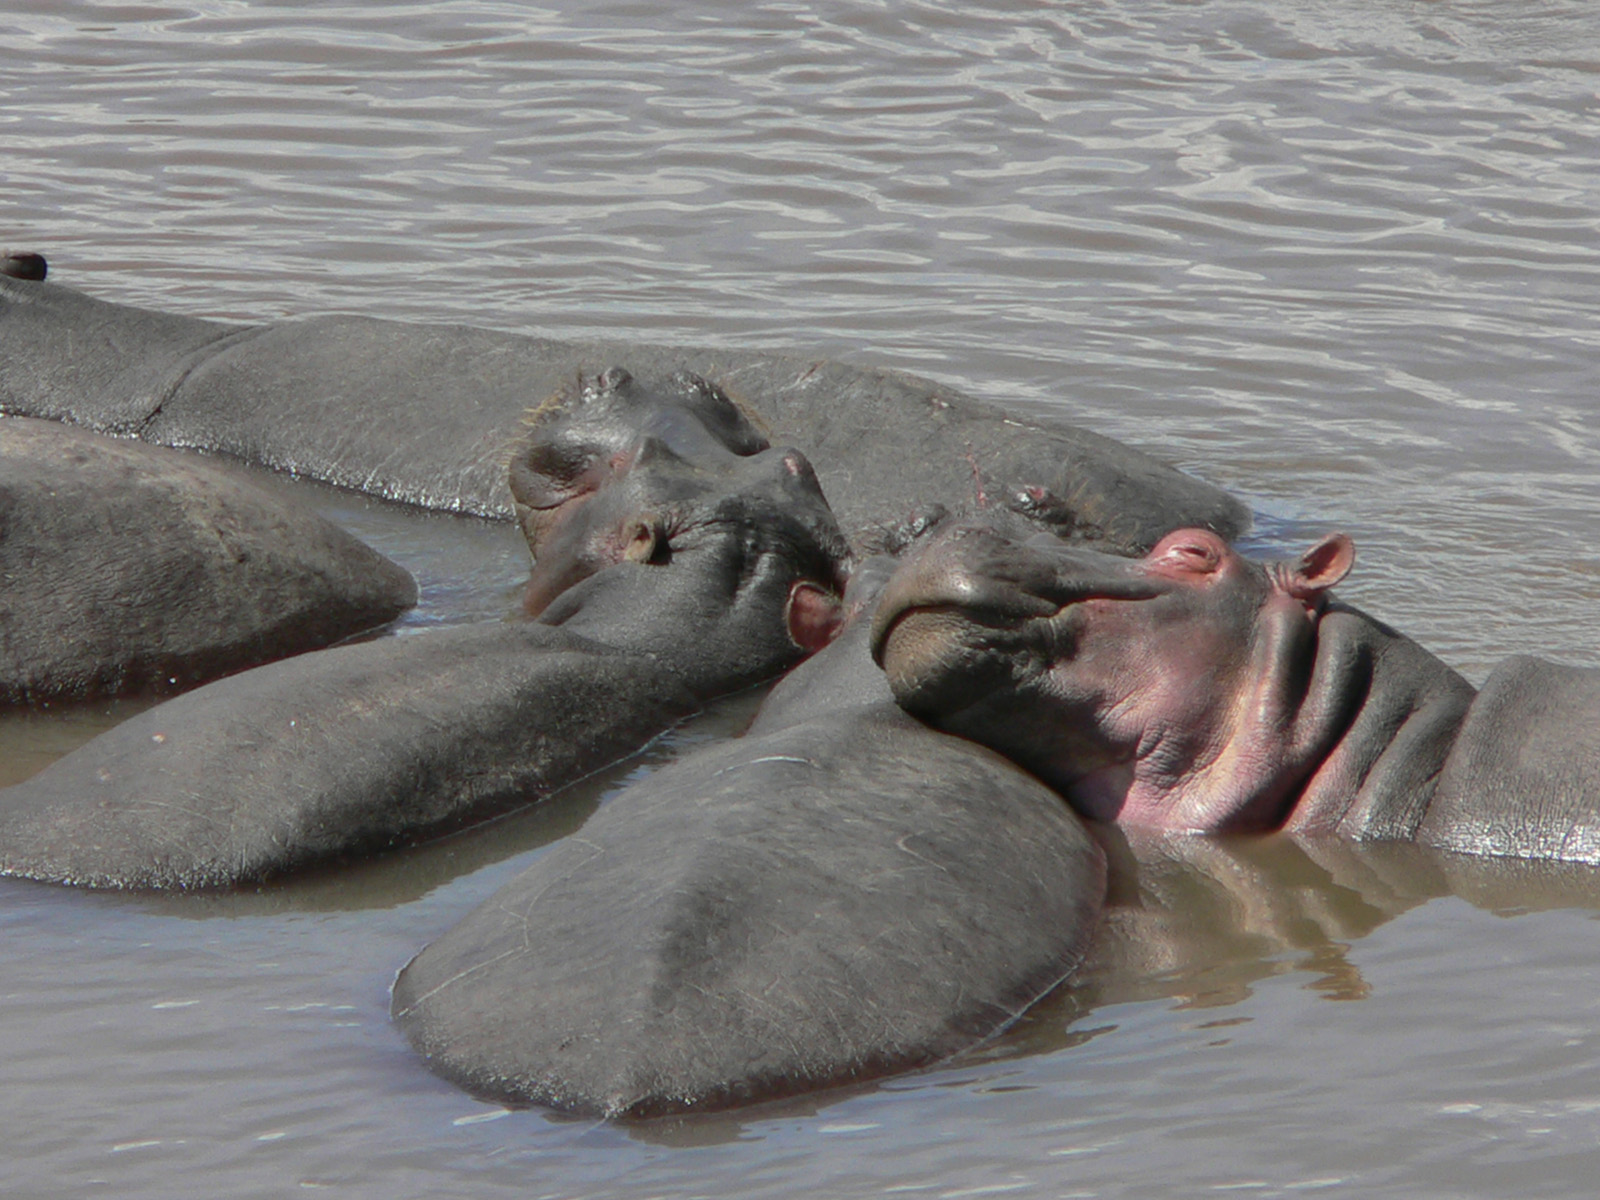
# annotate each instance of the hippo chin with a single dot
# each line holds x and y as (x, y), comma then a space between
(1195, 690)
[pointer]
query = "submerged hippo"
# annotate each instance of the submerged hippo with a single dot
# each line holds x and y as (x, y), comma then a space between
(362, 747)
(1195, 690)
(839, 894)
(132, 569)
(424, 413)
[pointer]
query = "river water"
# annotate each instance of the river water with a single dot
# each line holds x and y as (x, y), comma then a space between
(1341, 257)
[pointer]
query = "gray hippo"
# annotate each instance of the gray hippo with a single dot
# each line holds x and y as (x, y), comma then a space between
(130, 569)
(355, 749)
(425, 413)
(839, 894)
(1195, 690)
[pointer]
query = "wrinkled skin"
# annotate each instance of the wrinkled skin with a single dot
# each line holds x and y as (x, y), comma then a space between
(1190, 689)
(839, 894)
(129, 569)
(424, 413)
(359, 748)
(1195, 690)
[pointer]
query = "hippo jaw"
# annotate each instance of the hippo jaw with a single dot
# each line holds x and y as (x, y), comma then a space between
(1162, 692)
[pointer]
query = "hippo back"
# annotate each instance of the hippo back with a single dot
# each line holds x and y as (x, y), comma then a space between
(1523, 779)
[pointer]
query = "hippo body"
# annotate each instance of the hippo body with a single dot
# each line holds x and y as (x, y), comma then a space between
(839, 894)
(1523, 776)
(1193, 690)
(424, 413)
(698, 576)
(334, 754)
(129, 569)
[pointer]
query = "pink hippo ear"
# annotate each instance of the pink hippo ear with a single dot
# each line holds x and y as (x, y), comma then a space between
(1319, 568)
(814, 616)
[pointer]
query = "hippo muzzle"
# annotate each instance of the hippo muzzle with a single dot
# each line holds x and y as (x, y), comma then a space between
(979, 610)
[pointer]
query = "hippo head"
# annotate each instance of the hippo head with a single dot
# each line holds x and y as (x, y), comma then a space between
(1158, 691)
(657, 512)
(583, 438)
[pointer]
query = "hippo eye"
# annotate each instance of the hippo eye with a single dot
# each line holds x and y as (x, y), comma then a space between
(1189, 550)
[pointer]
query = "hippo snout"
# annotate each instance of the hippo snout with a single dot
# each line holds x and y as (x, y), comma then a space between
(978, 605)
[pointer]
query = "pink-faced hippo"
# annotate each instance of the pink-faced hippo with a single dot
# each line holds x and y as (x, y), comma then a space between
(1192, 689)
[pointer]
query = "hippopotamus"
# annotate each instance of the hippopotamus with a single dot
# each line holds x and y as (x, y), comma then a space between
(131, 569)
(838, 894)
(1195, 690)
(701, 571)
(425, 413)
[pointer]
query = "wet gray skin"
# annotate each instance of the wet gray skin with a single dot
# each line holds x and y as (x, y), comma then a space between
(359, 748)
(1194, 690)
(424, 413)
(130, 569)
(839, 894)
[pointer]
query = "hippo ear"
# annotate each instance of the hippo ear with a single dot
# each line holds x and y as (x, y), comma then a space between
(1320, 567)
(645, 541)
(813, 615)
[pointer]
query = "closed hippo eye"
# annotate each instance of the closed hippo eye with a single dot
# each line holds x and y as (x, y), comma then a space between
(1188, 552)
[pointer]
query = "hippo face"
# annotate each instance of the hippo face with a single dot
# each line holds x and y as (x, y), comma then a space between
(579, 441)
(1142, 689)
(691, 524)
(624, 471)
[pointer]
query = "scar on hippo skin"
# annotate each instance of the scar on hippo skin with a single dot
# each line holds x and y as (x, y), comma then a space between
(1039, 505)
(24, 264)
(1189, 690)
(1059, 515)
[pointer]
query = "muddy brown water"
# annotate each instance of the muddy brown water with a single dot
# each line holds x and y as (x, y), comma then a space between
(1341, 257)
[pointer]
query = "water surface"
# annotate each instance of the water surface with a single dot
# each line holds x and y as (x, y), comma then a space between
(1342, 258)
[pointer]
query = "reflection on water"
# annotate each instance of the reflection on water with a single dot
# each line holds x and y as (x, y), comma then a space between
(1341, 258)
(31, 741)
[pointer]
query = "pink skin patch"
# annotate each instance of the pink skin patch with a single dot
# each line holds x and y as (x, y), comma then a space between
(1200, 712)
(813, 615)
